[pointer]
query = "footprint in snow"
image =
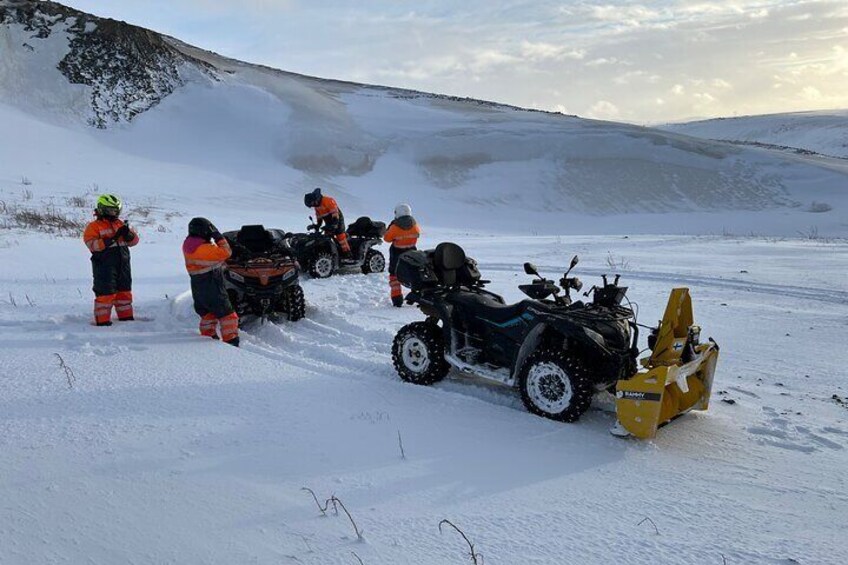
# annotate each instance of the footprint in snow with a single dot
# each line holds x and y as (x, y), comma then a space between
(779, 431)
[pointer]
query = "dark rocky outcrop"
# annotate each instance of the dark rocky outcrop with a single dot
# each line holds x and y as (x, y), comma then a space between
(129, 69)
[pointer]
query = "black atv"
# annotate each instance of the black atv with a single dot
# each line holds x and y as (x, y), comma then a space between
(557, 352)
(319, 252)
(261, 277)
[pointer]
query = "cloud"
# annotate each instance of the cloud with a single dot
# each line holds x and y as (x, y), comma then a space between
(266, 7)
(811, 93)
(637, 76)
(604, 110)
(540, 51)
(604, 61)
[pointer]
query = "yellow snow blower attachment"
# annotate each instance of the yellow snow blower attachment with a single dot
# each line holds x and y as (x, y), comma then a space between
(677, 377)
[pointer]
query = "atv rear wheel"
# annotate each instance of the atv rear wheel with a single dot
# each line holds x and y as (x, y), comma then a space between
(554, 386)
(418, 354)
(293, 303)
(322, 266)
(375, 262)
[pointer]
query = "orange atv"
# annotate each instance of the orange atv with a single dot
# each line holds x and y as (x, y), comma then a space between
(262, 276)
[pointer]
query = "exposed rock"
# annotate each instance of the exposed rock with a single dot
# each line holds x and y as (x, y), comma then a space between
(129, 69)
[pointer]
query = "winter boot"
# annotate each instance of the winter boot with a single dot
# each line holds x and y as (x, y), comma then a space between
(397, 301)
(234, 341)
(103, 324)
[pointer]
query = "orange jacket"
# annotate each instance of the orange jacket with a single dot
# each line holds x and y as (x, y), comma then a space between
(327, 207)
(204, 257)
(403, 235)
(99, 235)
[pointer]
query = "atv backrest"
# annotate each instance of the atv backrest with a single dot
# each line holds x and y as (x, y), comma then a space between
(255, 238)
(448, 258)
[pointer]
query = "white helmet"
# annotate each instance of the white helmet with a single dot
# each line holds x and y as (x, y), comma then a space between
(402, 210)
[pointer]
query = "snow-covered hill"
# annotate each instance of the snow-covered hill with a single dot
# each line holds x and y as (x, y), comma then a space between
(270, 135)
(822, 133)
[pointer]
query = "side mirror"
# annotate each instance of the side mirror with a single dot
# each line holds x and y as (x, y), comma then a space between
(530, 269)
(574, 261)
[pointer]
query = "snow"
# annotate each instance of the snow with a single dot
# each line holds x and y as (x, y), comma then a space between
(270, 136)
(172, 448)
(822, 132)
(163, 447)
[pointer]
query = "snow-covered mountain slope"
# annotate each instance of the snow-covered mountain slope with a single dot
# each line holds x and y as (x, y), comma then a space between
(181, 114)
(822, 133)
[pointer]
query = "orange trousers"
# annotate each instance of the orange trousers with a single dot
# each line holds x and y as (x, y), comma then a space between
(122, 302)
(229, 326)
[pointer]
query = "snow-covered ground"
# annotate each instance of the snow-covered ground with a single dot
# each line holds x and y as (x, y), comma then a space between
(144, 443)
(169, 448)
(821, 132)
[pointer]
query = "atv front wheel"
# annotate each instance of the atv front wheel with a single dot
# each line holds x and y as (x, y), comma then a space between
(322, 266)
(293, 303)
(418, 354)
(375, 262)
(554, 386)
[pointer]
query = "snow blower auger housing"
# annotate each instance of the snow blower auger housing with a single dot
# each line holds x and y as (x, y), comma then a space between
(677, 377)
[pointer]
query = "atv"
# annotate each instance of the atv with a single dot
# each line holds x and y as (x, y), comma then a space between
(320, 254)
(261, 276)
(558, 352)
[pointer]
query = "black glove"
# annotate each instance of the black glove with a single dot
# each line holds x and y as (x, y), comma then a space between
(214, 233)
(124, 233)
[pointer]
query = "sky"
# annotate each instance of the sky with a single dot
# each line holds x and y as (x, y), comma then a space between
(641, 62)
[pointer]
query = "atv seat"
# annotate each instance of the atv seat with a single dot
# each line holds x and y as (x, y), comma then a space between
(487, 307)
(255, 238)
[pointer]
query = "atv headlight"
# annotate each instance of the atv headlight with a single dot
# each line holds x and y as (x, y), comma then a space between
(236, 277)
(595, 336)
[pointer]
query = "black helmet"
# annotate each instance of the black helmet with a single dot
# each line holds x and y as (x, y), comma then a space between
(200, 227)
(312, 199)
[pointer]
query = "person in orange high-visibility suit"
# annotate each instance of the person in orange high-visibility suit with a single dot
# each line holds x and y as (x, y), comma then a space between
(329, 217)
(403, 234)
(109, 239)
(206, 251)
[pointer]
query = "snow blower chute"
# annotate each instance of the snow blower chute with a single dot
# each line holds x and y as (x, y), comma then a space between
(677, 377)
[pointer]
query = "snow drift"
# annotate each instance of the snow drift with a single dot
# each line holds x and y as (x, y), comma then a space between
(822, 133)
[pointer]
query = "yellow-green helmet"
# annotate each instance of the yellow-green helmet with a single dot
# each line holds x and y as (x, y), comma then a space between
(109, 205)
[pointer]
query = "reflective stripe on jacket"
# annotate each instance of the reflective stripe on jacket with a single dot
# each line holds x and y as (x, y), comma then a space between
(403, 233)
(99, 235)
(204, 257)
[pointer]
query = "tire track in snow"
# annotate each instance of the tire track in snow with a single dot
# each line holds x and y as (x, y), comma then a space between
(806, 293)
(332, 341)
